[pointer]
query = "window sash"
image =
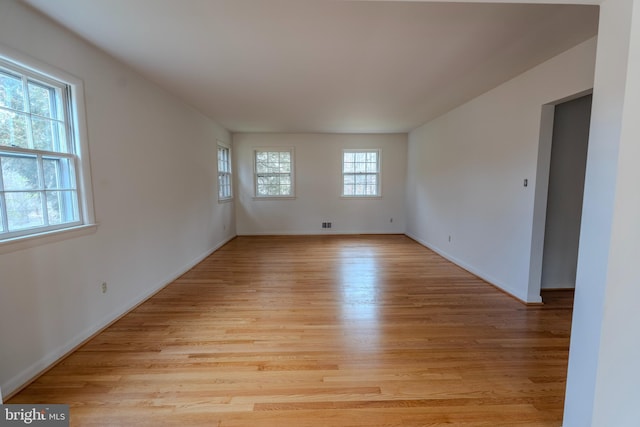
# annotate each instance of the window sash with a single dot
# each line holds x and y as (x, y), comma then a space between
(224, 173)
(40, 131)
(42, 199)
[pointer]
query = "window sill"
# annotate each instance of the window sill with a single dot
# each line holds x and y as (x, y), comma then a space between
(26, 242)
(228, 200)
(275, 198)
(361, 197)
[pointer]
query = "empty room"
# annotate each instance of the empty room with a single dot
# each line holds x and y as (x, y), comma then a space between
(319, 213)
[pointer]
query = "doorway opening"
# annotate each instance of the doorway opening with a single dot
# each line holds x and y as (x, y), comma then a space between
(562, 161)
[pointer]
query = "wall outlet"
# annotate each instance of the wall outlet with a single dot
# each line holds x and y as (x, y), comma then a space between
(390, 219)
(104, 287)
(449, 238)
(328, 225)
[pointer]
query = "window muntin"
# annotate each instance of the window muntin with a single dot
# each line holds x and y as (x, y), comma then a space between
(274, 173)
(361, 173)
(38, 158)
(224, 173)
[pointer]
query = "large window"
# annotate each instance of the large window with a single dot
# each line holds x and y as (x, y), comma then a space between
(224, 173)
(361, 173)
(274, 173)
(39, 158)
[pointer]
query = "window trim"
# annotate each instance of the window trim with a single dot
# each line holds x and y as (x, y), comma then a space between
(76, 116)
(378, 195)
(291, 150)
(226, 146)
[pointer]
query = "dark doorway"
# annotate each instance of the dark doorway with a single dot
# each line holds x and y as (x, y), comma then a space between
(566, 188)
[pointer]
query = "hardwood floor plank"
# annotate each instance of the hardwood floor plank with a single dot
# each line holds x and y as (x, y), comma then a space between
(317, 331)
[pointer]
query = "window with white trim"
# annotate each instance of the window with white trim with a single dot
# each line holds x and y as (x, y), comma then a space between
(39, 155)
(361, 173)
(224, 173)
(273, 173)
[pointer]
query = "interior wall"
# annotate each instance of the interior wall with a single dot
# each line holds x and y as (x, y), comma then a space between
(603, 375)
(466, 197)
(153, 162)
(566, 187)
(318, 181)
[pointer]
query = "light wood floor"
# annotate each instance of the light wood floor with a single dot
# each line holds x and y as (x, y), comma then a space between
(321, 331)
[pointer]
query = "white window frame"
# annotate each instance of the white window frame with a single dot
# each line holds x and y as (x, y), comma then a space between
(76, 134)
(291, 173)
(377, 173)
(225, 173)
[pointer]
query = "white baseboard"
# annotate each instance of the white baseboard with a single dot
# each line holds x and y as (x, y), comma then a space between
(32, 372)
(471, 269)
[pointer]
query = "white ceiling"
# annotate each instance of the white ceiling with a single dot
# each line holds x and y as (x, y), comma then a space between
(322, 65)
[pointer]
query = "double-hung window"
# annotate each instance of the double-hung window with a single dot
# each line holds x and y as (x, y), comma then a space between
(224, 173)
(361, 173)
(273, 173)
(40, 164)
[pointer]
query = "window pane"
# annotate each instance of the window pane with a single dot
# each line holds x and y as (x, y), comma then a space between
(48, 135)
(19, 173)
(41, 100)
(349, 157)
(13, 129)
(348, 168)
(62, 207)
(11, 92)
(58, 174)
(261, 167)
(274, 190)
(24, 210)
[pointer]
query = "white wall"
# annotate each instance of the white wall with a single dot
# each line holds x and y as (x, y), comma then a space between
(318, 186)
(466, 171)
(153, 162)
(604, 373)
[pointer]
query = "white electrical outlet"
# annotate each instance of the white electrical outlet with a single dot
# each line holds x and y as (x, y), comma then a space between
(104, 287)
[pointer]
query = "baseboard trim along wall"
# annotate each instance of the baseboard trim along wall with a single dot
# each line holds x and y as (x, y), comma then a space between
(33, 372)
(500, 286)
